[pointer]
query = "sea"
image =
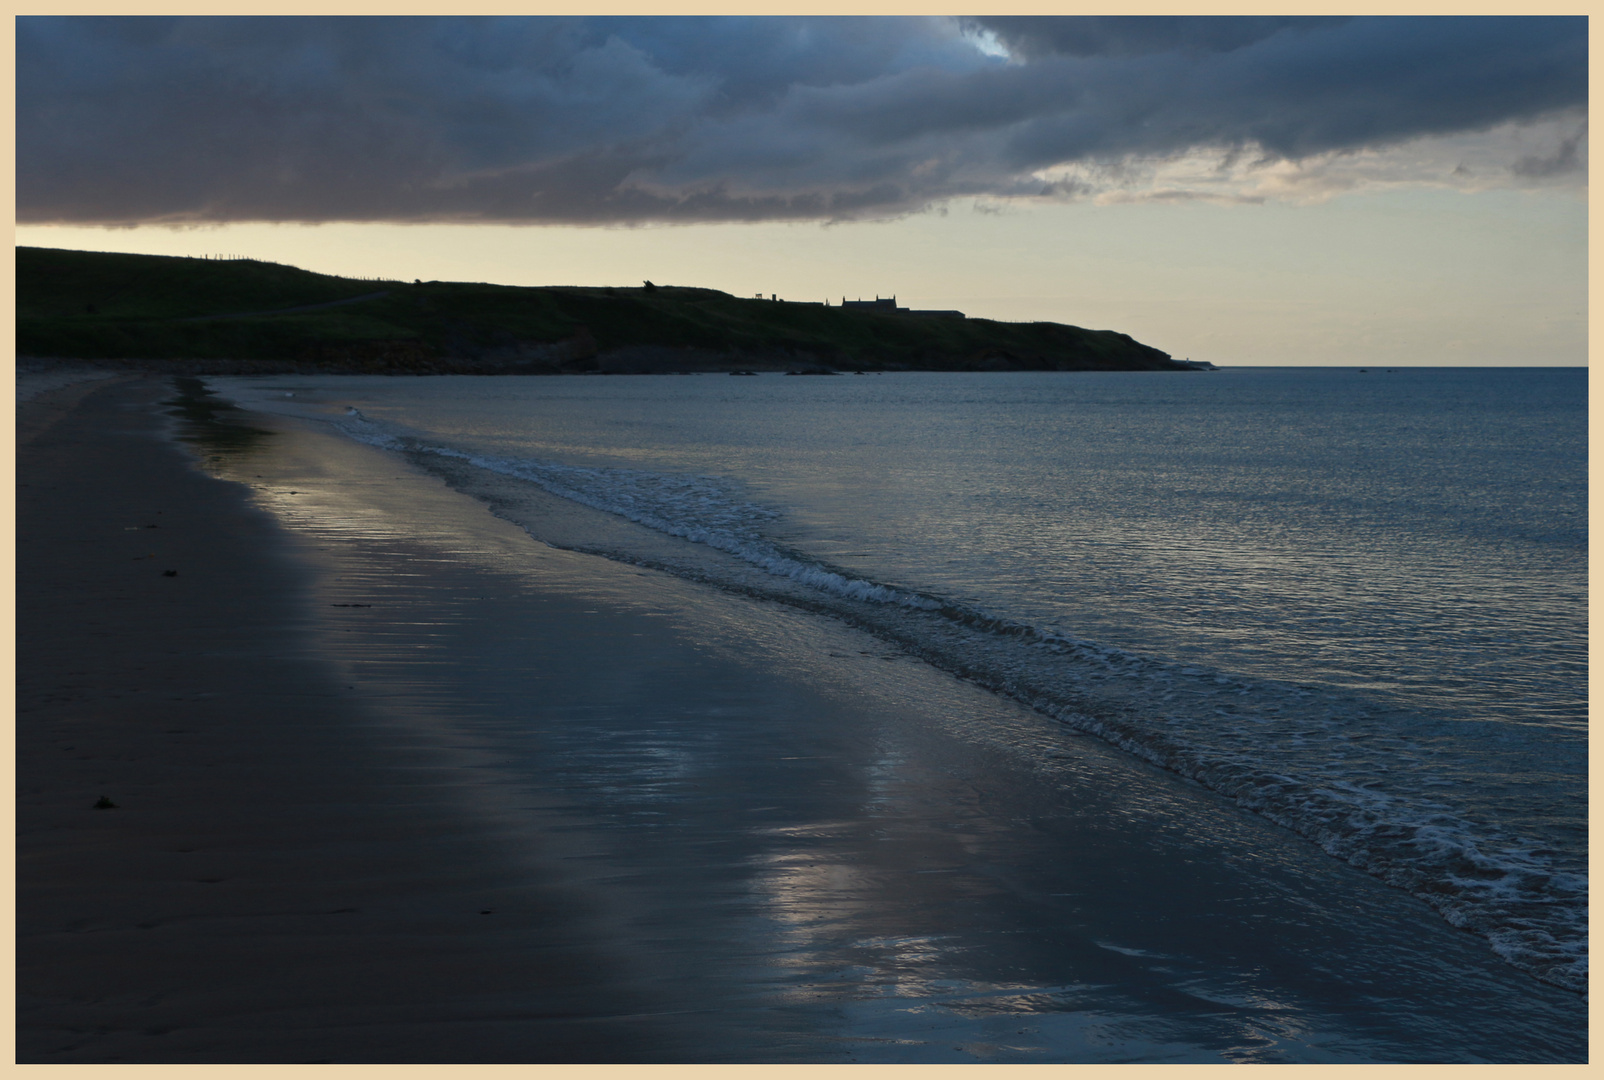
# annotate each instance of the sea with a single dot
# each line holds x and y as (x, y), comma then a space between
(1346, 605)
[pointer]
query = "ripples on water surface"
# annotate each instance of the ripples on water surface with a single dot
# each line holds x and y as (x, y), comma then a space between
(1355, 602)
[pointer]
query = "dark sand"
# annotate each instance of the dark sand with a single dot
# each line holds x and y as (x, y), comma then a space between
(275, 884)
(395, 783)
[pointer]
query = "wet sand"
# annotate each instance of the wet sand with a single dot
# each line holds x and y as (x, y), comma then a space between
(283, 878)
(396, 784)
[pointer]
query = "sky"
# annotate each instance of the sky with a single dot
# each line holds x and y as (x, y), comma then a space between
(1249, 190)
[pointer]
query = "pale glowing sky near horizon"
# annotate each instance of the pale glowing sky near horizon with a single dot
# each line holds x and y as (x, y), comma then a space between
(1419, 222)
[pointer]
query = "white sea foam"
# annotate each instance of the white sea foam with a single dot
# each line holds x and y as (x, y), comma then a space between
(1366, 784)
(700, 509)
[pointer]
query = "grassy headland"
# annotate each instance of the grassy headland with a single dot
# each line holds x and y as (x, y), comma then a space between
(198, 315)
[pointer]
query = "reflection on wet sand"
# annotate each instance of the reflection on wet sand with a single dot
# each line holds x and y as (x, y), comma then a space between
(800, 851)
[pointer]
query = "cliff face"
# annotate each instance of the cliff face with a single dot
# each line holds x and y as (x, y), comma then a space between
(198, 315)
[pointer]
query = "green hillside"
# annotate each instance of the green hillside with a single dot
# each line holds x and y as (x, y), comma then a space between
(198, 314)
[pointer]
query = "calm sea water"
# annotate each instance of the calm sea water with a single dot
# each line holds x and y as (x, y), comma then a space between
(1355, 603)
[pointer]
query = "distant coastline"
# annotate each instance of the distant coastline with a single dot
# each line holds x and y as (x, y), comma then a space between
(244, 316)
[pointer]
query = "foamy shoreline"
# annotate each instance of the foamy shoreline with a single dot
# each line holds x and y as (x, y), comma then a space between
(395, 783)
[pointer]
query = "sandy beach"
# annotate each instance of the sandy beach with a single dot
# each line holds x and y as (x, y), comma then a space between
(1152, 628)
(275, 883)
(394, 783)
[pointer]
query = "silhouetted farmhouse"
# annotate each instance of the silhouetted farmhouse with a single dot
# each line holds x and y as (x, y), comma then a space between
(889, 307)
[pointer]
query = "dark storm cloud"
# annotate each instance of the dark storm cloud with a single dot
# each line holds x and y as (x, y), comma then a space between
(1565, 160)
(1036, 36)
(677, 119)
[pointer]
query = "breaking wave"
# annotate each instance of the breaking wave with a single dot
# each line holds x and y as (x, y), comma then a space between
(1367, 782)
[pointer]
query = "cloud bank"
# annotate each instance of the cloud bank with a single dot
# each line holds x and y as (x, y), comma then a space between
(634, 120)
